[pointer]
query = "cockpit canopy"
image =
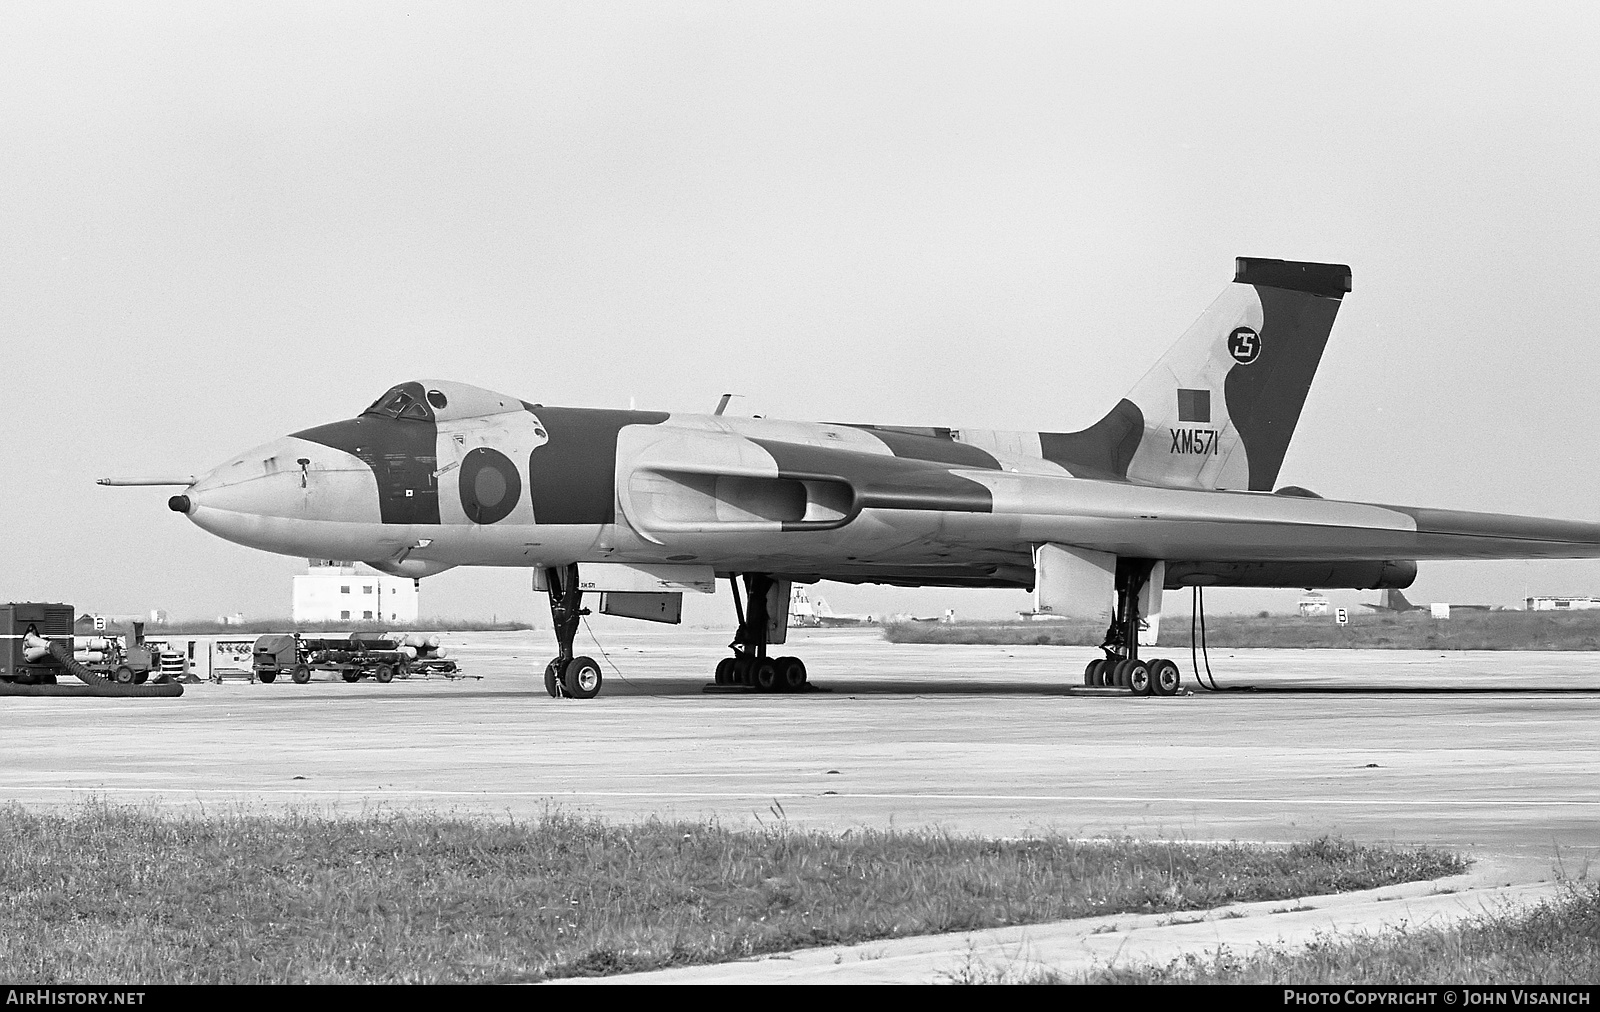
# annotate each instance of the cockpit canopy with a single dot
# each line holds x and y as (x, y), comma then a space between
(439, 400)
(407, 400)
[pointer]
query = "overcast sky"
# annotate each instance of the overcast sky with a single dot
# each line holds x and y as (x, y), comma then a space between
(221, 223)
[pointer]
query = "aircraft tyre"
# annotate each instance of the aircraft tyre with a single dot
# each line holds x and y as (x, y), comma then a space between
(384, 674)
(552, 678)
(1091, 673)
(1165, 678)
(724, 675)
(1139, 680)
(301, 674)
(123, 675)
(765, 674)
(1119, 674)
(582, 678)
(265, 676)
(742, 671)
(791, 674)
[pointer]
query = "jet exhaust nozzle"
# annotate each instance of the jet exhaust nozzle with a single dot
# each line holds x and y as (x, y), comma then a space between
(179, 504)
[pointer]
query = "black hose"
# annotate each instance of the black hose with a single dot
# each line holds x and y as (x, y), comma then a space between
(95, 685)
(1197, 614)
(1194, 639)
(29, 689)
(1205, 647)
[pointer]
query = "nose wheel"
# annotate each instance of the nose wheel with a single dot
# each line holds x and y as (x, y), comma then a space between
(578, 678)
(567, 676)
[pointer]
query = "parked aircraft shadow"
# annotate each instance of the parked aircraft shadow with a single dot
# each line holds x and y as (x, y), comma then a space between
(839, 687)
(836, 687)
(844, 687)
(1403, 690)
(684, 688)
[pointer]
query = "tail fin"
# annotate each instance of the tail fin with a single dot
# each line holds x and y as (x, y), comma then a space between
(1218, 409)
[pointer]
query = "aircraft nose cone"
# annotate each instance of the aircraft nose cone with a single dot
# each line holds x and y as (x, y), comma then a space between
(278, 497)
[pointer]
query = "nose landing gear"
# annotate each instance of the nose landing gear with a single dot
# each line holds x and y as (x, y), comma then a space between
(1122, 667)
(566, 675)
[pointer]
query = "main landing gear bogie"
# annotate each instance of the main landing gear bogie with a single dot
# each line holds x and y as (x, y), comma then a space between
(1156, 677)
(765, 674)
(750, 666)
(1122, 666)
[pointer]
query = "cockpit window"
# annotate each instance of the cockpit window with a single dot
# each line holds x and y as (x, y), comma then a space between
(403, 401)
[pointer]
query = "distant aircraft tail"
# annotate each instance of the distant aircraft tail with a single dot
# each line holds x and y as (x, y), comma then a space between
(1219, 408)
(1394, 600)
(801, 612)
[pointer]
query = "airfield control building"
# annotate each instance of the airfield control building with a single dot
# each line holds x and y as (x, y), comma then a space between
(1562, 603)
(349, 592)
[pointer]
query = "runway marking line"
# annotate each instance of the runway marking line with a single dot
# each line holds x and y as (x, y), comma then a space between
(842, 795)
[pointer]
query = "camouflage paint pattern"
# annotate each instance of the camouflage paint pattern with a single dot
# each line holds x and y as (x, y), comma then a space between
(438, 474)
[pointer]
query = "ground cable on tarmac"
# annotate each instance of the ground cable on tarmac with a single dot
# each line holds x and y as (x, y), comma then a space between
(601, 647)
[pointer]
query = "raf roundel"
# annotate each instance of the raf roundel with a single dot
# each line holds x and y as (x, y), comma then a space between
(1244, 345)
(490, 486)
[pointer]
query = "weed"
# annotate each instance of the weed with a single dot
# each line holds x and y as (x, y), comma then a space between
(1556, 942)
(104, 892)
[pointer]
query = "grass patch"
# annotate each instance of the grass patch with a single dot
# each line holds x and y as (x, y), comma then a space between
(1557, 942)
(1493, 630)
(112, 893)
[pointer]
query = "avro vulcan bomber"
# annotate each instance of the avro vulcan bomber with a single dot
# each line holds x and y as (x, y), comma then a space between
(1174, 487)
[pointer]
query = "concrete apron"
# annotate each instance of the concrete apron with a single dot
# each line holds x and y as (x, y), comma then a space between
(1072, 948)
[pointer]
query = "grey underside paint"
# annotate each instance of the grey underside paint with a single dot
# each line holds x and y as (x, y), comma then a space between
(972, 549)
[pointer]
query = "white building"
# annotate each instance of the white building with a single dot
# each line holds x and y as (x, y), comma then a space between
(1313, 604)
(1562, 603)
(352, 592)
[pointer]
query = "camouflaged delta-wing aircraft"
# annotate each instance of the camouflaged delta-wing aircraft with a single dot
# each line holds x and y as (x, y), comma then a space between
(1172, 488)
